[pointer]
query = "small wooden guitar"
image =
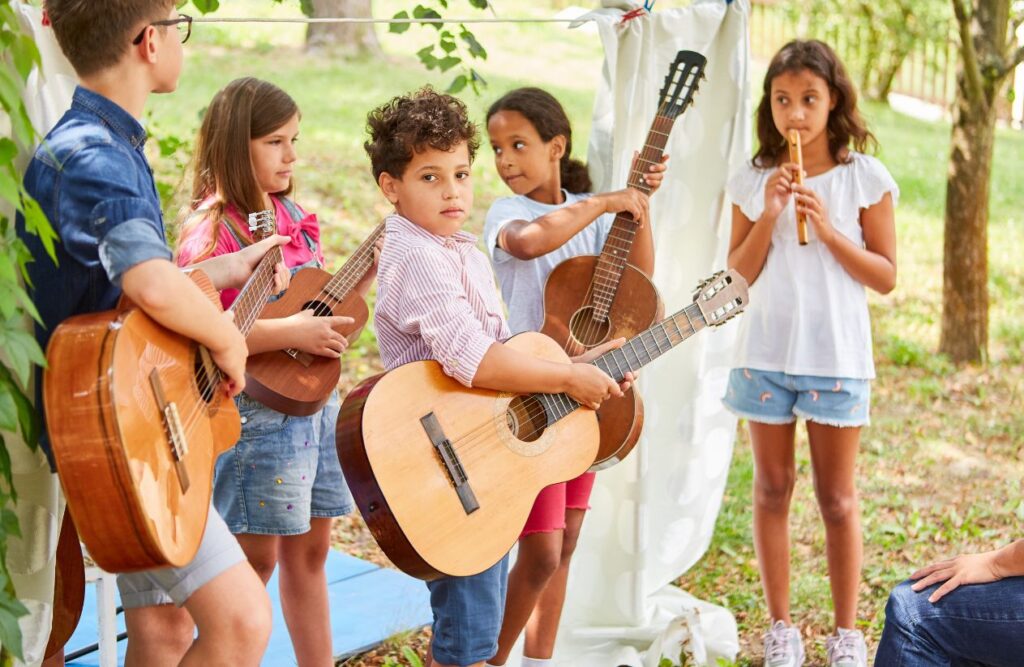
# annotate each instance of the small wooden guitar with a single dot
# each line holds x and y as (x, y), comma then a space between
(445, 476)
(136, 423)
(591, 299)
(292, 381)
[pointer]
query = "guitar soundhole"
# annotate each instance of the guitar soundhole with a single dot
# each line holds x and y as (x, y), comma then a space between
(526, 418)
(587, 329)
(320, 308)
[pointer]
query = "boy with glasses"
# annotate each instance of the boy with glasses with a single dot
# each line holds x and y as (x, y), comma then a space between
(94, 184)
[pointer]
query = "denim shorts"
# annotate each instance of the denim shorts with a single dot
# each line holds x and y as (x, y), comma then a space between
(773, 397)
(218, 552)
(283, 471)
(467, 615)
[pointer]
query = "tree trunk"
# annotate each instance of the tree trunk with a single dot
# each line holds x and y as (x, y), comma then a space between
(965, 265)
(350, 39)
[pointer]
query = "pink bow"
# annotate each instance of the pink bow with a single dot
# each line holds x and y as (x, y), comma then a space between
(295, 229)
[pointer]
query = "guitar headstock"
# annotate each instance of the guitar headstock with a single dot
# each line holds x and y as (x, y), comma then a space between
(721, 297)
(262, 224)
(684, 76)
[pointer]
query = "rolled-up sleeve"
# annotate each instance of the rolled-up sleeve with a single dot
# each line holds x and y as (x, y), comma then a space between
(436, 308)
(131, 242)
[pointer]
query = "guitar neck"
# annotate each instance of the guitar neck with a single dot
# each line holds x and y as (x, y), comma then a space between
(637, 352)
(349, 275)
(253, 295)
(615, 253)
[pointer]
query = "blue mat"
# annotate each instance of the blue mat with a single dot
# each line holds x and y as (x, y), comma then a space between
(368, 605)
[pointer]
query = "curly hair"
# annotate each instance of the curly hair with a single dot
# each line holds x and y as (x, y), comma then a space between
(550, 120)
(845, 125)
(411, 123)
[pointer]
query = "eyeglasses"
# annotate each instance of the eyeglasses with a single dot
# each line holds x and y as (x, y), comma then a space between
(183, 23)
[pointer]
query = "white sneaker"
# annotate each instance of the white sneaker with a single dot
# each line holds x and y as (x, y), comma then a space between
(783, 647)
(846, 648)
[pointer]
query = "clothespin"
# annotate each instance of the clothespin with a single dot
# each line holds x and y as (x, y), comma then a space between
(632, 14)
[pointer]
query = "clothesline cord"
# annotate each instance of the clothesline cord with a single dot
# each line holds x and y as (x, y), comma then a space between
(305, 19)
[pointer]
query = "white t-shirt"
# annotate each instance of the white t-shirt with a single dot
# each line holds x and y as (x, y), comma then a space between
(522, 281)
(807, 315)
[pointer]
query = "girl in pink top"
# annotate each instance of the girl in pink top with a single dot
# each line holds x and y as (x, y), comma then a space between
(281, 485)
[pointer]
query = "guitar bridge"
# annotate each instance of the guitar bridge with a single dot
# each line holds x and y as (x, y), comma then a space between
(303, 358)
(174, 428)
(450, 459)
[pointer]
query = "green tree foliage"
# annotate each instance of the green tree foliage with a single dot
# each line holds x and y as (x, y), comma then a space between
(19, 351)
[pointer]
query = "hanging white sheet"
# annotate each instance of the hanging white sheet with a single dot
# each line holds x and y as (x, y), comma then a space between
(653, 515)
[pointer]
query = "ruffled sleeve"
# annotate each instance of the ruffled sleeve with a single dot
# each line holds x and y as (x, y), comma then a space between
(746, 190)
(871, 180)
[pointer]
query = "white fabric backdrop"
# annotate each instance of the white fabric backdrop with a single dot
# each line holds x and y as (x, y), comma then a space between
(47, 95)
(653, 515)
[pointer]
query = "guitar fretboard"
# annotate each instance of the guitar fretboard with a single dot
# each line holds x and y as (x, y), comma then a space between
(349, 275)
(638, 351)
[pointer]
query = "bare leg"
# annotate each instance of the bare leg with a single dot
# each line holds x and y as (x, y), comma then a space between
(833, 456)
(542, 628)
(303, 586)
(158, 636)
(232, 613)
(774, 478)
(536, 564)
(261, 551)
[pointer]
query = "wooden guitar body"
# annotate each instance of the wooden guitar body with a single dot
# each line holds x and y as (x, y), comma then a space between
(403, 482)
(569, 320)
(294, 382)
(138, 500)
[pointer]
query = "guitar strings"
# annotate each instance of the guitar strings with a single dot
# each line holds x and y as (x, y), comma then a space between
(472, 438)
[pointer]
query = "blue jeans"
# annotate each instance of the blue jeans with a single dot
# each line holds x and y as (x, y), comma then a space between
(467, 615)
(981, 624)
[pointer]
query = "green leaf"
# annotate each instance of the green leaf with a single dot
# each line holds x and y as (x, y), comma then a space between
(457, 84)
(8, 409)
(448, 62)
(36, 223)
(206, 6)
(29, 420)
(26, 56)
(447, 42)
(399, 28)
(9, 188)
(306, 6)
(9, 522)
(475, 48)
(479, 4)
(7, 150)
(422, 12)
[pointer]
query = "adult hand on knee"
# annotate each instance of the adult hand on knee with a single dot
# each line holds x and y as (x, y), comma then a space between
(966, 569)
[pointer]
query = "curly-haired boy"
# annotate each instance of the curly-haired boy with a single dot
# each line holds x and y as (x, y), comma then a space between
(436, 299)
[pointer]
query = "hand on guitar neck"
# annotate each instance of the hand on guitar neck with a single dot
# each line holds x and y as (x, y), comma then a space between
(230, 271)
(504, 368)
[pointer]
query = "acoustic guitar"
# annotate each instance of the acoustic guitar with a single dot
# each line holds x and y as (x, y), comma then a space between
(295, 382)
(445, 475)
(590, 299)
(136, 422)
(68, 588)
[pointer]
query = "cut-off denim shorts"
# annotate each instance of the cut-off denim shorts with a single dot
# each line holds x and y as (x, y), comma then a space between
(773, 397)
(283, 471)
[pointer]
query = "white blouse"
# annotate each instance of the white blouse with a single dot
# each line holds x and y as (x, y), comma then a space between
(807, 315)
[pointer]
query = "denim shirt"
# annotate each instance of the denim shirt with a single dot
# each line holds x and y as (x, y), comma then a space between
(93, 182)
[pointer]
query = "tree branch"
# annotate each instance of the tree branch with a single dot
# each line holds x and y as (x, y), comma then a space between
(972, 71)
(1015, 60)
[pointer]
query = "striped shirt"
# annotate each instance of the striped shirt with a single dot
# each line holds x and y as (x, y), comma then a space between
(436, 299)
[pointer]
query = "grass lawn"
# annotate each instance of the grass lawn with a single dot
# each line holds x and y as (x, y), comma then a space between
(941, 464)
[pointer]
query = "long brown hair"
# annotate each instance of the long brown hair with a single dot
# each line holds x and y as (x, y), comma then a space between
(548, 117)
(245, 109)
(845, 124)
